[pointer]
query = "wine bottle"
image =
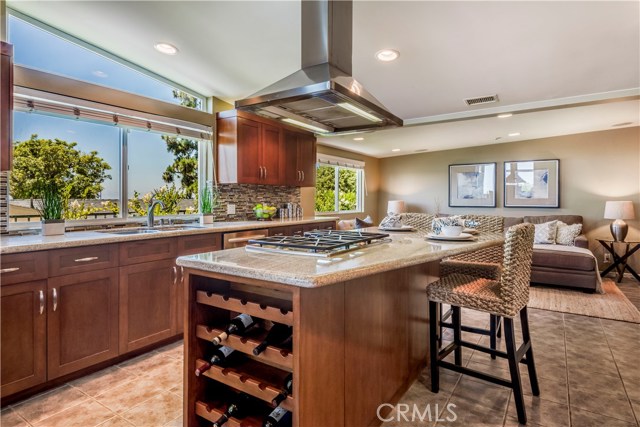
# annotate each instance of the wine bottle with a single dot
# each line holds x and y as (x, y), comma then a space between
(238, 325)
(288, 389)
(220, 355)
(277, 334)
(238, 408)
(279, 417)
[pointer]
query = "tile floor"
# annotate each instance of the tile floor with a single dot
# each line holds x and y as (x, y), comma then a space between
(587, 369)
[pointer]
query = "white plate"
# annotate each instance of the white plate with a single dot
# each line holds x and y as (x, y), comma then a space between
(461, 237)
(403, 228)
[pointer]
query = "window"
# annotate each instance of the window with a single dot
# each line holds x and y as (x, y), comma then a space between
(82, 147)
(39, 46)
(339, 185)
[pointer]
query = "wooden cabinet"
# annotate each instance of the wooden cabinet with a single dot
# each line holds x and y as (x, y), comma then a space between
(24, 267)
(147, 303)
(82, 320)
(81, 259)
(6, 105)
(23, 341)
(300, 159)
(300, 229)
(256, 150)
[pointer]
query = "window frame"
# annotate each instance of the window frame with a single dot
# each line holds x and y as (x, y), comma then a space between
(360, 184)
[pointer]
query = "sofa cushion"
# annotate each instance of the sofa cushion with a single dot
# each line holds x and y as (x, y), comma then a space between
(545, 233)
(566, 234)
(562, 260)
(567, 219)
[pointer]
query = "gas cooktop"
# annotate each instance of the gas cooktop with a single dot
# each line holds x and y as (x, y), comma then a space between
(320, 243)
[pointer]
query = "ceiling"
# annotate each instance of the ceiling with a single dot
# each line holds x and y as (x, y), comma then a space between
(551, 63)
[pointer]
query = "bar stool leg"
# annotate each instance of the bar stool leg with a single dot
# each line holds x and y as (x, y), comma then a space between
(493, 321)
(514, 370)
(457, 334)
(434, 347)
(526, 338)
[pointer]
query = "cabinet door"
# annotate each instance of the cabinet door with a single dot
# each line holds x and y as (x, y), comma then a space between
(82, 322)
(291, 172)
(271, 154)
(23, 340)
(307, 159)
(249, 161)
(147, 303)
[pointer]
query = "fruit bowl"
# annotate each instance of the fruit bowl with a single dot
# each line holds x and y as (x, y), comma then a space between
(264, 212)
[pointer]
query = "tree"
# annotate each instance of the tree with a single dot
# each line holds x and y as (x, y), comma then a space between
(74, 173)
(185, 151)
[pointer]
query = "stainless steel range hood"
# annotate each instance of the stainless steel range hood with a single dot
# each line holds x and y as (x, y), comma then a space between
(323, 96)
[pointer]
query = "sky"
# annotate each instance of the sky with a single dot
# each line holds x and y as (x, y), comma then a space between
(148, 157)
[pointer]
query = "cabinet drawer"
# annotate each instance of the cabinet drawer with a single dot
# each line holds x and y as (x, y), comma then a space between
(279, 231)
(147, 250)
(17, 268)
(198, 243)
(85, 258)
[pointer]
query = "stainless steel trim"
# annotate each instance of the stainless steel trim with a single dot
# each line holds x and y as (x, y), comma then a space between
(87, 259)
(265, 172)
(175, 274)
(41, 301)
(9, 269)
(55, 299)
(181, 274)
(302, 172)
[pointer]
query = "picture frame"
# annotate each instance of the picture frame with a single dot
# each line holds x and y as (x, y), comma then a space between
(532, 183)
(472, 185)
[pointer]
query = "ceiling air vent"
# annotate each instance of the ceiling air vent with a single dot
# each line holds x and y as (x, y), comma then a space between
(482, 100)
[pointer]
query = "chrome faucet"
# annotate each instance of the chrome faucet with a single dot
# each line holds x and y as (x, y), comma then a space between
(150, 211)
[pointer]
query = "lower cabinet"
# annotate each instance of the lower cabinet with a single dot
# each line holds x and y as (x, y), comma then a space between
(82, 320)
(147, 303)
(23, 359)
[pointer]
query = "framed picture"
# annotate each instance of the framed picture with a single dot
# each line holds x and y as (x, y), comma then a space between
(532, 184)
(472, 185)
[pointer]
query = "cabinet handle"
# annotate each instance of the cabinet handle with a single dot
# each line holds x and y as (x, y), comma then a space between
(87, 259)
(245, 239)
(181, 275)
(9, 270)
(261, 172)
(41, 301)
(55, 299)
(175, 274)
(298, 175)
(302, 172)
(265, 172)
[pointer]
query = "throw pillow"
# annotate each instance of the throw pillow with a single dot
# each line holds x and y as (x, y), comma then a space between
(546, 232)
(566, 234)
(364, 223)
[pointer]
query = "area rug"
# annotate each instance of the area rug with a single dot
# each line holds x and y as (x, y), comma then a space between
(613, 304)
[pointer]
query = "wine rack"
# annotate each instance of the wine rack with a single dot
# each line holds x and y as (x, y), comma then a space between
(213, 303)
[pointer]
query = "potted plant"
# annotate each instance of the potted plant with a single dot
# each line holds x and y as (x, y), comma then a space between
(208, 201)
(51, 208)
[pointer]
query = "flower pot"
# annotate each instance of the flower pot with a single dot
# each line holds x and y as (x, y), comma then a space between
(206, 219)
(52, 227)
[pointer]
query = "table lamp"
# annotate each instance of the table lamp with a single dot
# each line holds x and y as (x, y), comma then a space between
(619, 211)
(396, 207)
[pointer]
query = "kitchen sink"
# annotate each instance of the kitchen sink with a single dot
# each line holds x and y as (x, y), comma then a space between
(147, 230)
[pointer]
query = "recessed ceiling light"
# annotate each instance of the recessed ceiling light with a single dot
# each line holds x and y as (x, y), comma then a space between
(621, 124)
(505, 115)
(422, 150)
(99, 73)
(387, 55)
(395, 150)
(358, 139)
(514, 134)
(166, 48)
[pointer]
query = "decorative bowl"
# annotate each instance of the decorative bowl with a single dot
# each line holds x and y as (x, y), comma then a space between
(451, 230)
(265, 212)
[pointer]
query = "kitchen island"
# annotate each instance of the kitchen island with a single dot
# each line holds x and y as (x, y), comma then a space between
(359, 319)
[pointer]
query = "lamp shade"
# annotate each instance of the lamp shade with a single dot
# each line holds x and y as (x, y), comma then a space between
(396, 207)
(619, 210)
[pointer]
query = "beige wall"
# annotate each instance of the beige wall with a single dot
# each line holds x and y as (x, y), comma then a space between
(372, 178)
(594, 167)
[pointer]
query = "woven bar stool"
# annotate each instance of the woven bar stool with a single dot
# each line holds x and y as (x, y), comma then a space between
(485, 263)
(506, 297)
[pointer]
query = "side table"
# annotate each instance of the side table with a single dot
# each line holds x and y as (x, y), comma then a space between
(620, 261)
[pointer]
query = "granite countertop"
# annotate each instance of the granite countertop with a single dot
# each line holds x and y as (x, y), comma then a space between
(38, 242)
(404, 249)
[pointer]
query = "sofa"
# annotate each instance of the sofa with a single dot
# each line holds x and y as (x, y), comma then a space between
(572, 266)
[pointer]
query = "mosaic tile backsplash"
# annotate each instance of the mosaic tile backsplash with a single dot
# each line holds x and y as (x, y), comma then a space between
(245, 197)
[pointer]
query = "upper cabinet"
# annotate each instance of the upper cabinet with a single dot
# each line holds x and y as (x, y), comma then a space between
(255, 150)
(6, 105)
